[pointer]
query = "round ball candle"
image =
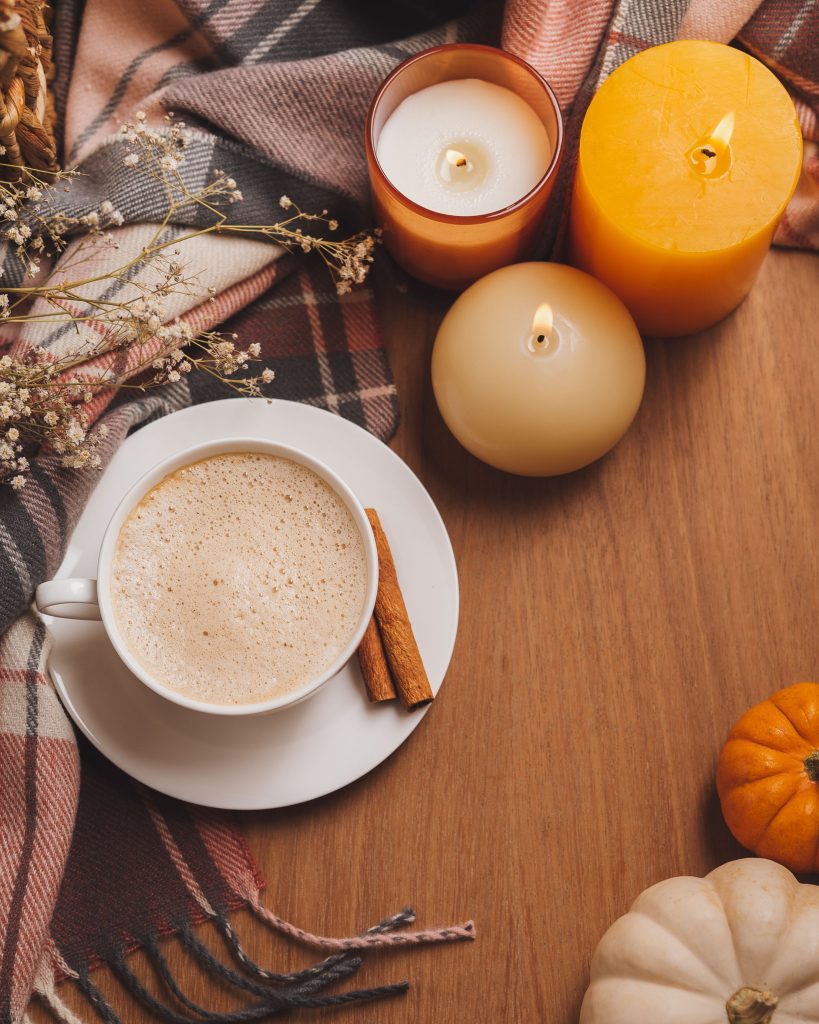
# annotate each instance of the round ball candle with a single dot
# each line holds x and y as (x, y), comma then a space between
(463, 144)
(688, 156)
(538, 369)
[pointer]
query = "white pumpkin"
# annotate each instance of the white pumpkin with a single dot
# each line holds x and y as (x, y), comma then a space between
(740, 946)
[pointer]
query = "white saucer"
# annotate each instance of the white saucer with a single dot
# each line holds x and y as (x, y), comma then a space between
(305, 751)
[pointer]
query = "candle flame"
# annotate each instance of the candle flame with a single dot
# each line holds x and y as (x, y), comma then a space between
(542, 322)
(455, 158)
(711, 157)
(721, 135)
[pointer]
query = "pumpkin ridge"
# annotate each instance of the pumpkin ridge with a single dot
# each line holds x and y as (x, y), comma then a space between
(771, 775)
(783, 808)
(654, 980)
(671, 987)
(796, 758)
(734, 950)
(794, 888)
(719, 983)
(753, 841)
(794, 726)
(804, 783)
(748, 732)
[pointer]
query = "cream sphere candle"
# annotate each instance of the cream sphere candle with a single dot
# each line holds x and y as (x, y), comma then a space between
(538, 369)
(464, 147)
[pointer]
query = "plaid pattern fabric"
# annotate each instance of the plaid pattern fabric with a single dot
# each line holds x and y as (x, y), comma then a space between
(576, 47)
(39, 771)
(784, 34)
(184, 865)
(277, 93)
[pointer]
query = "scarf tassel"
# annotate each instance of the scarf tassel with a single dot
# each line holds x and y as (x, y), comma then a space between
(275, 993)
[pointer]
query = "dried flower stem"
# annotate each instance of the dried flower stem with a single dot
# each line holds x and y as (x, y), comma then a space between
(134, 343)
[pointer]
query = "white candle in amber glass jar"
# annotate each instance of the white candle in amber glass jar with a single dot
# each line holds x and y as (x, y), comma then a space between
(464, 147)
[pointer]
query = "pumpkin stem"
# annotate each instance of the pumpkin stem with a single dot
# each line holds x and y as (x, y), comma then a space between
(751, 1006)
(811, 764)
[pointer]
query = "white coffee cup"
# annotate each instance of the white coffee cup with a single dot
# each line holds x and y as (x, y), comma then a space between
(91, 599)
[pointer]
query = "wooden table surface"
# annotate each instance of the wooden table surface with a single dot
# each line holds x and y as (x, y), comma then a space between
(614, 623)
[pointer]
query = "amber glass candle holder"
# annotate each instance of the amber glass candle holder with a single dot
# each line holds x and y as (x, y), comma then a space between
(442, 249)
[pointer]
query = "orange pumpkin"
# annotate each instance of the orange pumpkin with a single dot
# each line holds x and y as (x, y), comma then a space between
(768, 778)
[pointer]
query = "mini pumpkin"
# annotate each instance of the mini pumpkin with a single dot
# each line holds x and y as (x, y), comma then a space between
(740, 946)
(768, 778)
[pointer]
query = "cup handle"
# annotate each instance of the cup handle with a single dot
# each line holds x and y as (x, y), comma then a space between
(68, 599)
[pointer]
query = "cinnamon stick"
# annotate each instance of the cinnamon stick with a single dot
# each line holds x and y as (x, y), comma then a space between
(402, 652)
(374, 668)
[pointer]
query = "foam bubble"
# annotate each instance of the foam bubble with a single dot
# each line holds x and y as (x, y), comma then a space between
(238, 578)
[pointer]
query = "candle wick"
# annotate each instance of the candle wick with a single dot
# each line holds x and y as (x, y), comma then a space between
(541, 338)
(455, 158)
(708, 152)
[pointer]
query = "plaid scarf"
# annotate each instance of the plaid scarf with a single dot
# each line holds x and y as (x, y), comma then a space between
(277, 93)
(577, 46)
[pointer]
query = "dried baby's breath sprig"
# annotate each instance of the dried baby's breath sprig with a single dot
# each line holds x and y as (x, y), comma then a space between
(36, 406)
(135, 342)
(34, 226)
(348, 259)
(160, 155)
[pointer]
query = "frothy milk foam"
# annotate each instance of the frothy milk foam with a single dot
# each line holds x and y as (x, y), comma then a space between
(238, 578)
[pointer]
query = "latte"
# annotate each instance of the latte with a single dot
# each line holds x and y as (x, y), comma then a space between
(238, 578)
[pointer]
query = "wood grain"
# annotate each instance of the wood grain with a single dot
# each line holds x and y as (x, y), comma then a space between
(614, 624)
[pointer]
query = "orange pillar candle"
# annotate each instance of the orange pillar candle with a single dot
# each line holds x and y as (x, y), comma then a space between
(688, 156)
(436, 210)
